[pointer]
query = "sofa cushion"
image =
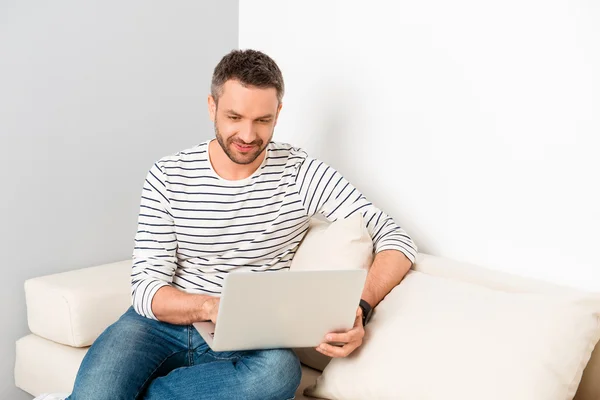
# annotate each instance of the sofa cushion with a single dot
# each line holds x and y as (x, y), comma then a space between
(343, 244)
(434, 338)
(43, 366)
(589, 388)
(74, 307)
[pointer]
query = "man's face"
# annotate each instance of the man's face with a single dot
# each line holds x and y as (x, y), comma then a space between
(244, 118)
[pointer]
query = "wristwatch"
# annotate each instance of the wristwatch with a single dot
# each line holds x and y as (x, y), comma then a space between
(367, 311)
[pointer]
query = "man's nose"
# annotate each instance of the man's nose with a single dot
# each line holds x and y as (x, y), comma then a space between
(246, 133)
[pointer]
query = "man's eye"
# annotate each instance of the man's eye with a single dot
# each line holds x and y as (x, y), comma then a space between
(233, 118)
(264, 121)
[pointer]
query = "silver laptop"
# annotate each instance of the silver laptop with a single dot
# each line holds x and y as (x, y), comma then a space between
(268, 310)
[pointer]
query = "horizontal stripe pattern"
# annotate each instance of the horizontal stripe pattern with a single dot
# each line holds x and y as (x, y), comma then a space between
(324, 190)
(195, 227)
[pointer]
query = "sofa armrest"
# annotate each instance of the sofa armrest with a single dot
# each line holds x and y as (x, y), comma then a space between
(75, 307)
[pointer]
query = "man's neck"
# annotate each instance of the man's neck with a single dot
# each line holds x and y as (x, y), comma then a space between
(226, 168)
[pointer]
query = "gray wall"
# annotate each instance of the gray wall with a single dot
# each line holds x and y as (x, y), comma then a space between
(91, 94)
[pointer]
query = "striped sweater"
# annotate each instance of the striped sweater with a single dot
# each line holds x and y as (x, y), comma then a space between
(195, 227)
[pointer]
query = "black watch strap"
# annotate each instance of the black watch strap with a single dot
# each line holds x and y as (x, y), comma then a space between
(367, 311)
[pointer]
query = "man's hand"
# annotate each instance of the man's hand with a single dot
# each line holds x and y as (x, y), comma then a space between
(210, 309)
(351, 340)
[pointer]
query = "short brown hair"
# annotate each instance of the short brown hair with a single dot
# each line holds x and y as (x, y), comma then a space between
(250, 68)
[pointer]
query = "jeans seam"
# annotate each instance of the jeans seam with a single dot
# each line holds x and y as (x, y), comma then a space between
(224, 358)
(156, 369)
(190, 352)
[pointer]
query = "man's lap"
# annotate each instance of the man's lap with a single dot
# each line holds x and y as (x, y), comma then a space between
(137, 356)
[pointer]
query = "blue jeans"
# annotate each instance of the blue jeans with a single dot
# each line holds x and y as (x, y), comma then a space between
(140, 358)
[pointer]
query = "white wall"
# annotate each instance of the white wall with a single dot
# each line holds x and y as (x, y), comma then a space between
(91, 94)
(475, 124)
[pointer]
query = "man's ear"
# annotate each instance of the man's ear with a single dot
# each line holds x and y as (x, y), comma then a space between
(277, 115)
(212, 108)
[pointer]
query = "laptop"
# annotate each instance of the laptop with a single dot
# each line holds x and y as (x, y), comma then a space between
(292, 309)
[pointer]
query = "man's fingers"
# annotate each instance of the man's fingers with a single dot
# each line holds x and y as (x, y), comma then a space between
(334, 351)
(352, 339)
(345, 337)
(352, 335)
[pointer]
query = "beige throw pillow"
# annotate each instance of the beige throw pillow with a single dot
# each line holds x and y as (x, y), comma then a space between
(435, 338)
(344, 244)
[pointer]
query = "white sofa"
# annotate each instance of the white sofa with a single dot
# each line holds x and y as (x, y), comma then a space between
(67, 312)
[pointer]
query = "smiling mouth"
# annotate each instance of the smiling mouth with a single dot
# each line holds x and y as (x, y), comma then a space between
(243, 148)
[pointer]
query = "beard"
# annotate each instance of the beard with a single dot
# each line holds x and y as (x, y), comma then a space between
(236, 156)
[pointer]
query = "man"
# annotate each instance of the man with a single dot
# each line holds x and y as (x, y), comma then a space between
(237, 203)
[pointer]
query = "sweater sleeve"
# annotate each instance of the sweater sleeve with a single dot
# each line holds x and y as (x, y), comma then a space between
(324, 190)
(154, 254)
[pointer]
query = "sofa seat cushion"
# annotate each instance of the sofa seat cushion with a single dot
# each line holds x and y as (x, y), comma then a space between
(43, 366)
(74, 308)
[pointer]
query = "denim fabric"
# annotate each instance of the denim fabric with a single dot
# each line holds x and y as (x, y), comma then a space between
(140, 358)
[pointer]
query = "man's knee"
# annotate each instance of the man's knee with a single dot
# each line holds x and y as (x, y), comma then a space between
(117, 365)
